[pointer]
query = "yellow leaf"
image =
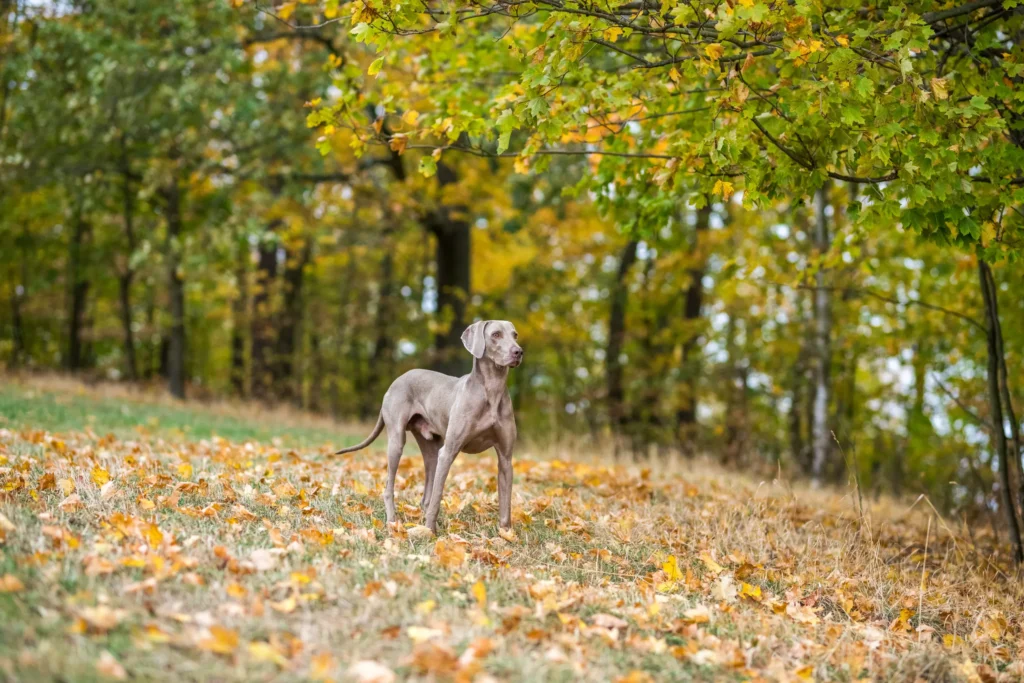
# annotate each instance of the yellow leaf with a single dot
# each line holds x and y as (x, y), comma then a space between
(153, 535)
(674, 75)
(671, 569)
(420, 634)
(751, 592)
(222, 640)
(508, 535)
(320, 666)
(286, 10)
(843, 40)
(940, 88)
(286, 606)
(185, 470)
(723, 188)
(714, 51)
(612, 34)
(99, 476)
(410, 117)
(426, 607)
(479, 591)
(711, 564)
(265, 652)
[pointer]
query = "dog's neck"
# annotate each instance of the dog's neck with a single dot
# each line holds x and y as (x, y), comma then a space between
(492, 376)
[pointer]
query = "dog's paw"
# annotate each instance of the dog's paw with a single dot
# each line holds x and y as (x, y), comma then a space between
(420, 532)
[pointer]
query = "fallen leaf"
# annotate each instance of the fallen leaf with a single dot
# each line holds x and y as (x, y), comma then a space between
(263, 559)
(101, 618)
(366, 671)
(265, 652)
(222, 641)
(421, 634)
(724, 589)
(10, 584)
(71, 503)
(608, 621)
(479, 591)
(671, 569)
(110, 667)
(451, 554)
(99, 476)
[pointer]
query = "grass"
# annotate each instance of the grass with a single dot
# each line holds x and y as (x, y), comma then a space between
(228, 544)
(58, 404)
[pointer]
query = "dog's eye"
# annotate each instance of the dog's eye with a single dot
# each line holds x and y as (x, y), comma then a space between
(515, 335)
(496, 335)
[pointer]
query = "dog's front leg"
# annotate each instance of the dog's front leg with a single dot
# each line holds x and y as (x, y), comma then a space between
(504, 487)
(506, 443)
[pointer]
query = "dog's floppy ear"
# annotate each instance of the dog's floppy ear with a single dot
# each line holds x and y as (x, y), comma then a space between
(473, 338)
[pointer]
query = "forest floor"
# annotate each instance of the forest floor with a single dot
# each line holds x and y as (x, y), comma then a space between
(146, 539)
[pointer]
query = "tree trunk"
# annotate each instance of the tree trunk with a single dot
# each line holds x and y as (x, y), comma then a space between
(125, 277)
(821, 439)
(617, 414)
(383, 346)
(176, 292)
(289, 322)
(1002, 448)
(686, 415)
(78, 290)
(451, 228)
(18, 293)
(238, 315)
(263, 333)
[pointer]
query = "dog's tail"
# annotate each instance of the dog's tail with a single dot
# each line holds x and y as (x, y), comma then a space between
(370, 439)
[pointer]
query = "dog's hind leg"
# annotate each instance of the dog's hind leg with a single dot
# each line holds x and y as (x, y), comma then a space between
(396, 442)
(429, 449)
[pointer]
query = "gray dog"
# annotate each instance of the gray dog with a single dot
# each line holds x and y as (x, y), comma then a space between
(452, 415)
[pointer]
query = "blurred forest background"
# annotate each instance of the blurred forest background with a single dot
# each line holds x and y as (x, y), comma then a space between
(167, 216)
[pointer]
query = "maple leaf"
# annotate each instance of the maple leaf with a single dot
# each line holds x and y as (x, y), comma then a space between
(450, 554)
(479, 591)
(99, 476)
(723, 188)
(222, 641)
(671, 569)
(750, 592)
(714, 51)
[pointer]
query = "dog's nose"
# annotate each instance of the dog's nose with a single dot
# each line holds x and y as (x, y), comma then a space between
(518, 352)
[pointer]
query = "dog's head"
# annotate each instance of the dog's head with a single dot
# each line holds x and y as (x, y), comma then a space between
(495, 339)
